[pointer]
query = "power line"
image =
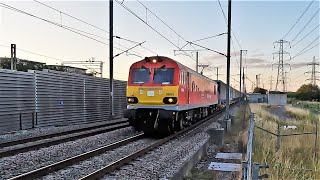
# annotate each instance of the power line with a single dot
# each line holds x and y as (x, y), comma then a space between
(51, 22)
(71, 29)
(161, 20)
(171, 29)
(85, 22)
(209, 37)
(235, 54)
(35, 53)
(303, 50)
(71, 16)
(225, 18)
(179, 35)
(308, 49)
(133, 13)
(298, 19)
(306, 25)
(305, 36)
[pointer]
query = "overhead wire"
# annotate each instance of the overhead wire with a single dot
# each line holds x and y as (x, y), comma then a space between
(298, 19)
(71, 29)
(161, 20)
(305, 36)
(209, 37)
(180, 36)
(225, 18)
(85, 22)
(51, 22)
(303, 50)
(133, 13)
(49, 57)
(71, 16)
(306, 25)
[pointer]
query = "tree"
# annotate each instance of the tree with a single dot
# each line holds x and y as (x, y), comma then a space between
(260, 90)
(308, 92)
(22, 65)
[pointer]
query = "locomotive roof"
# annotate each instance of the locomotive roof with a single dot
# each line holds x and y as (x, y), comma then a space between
(181, 65)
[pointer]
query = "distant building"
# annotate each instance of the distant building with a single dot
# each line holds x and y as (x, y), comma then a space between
(277, 98)
(258, 98)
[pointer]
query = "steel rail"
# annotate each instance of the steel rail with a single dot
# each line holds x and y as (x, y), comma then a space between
(47, 143)
(127, 159)
(73, 160)
(47, 136)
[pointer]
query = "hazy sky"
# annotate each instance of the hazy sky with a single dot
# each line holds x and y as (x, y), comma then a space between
(256, 24)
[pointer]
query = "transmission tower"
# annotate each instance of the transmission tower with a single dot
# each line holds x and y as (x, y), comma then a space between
(280, 64)
(313, 79)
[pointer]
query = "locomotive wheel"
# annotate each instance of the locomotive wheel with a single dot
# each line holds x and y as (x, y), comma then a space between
(179, 123)
(135, 123)
(166, 127)
(147, 127)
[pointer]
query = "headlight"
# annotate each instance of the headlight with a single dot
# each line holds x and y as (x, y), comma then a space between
(170, 100)
(132, 100)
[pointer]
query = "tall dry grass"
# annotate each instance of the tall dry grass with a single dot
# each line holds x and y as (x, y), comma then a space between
(295, 159)
(301, 114)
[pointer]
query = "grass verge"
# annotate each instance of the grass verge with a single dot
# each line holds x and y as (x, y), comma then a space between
(295, 159)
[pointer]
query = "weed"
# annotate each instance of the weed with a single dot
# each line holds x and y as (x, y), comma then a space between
(295, 158)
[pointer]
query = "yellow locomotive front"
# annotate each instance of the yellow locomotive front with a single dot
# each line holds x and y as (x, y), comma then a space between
(152, 90)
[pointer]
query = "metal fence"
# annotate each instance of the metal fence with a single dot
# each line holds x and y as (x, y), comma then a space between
(247, 163)
(17, 98)
(52, 98)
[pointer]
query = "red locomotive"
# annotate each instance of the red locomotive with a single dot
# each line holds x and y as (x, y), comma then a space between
(164, 96)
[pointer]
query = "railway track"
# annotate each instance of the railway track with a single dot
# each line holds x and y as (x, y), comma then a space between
(115, 164)
(70, 161)
(33, 143)
(127, 159)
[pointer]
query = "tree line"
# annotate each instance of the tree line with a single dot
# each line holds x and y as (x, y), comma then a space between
(306, 92)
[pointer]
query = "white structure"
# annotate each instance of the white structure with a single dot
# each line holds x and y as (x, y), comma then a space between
(258, 98)
(277, 98)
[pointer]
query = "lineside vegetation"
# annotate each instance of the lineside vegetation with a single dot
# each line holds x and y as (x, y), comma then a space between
(296, 157)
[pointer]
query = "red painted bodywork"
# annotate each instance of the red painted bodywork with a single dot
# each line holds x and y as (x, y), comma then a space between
(203, 95)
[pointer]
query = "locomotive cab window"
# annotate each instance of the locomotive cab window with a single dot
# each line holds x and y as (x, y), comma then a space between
(163, 76)
(140, 75)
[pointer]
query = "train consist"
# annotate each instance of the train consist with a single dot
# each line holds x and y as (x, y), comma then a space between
(165, 96)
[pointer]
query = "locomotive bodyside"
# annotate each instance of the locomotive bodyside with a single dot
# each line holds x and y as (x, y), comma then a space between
(164, 95)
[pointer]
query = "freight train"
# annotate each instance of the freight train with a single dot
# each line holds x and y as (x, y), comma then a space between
(165, 96)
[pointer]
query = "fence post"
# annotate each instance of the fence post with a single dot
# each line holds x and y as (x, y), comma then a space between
(316, 144)
(32, 119)
(249, 146)
(256, 168)
(20, 118)
(37, 118)
(244, 170)
(278, 138)
(255, 172)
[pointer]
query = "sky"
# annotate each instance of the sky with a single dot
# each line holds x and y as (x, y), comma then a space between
(256, 25)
